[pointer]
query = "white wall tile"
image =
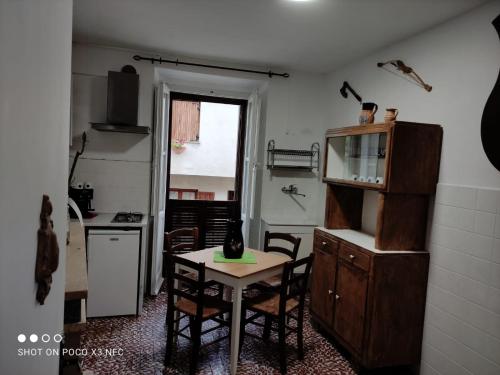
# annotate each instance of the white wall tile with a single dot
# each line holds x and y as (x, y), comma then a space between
(469, 312)
(461, 353)
(458, 196)
(495, 275)
(441, 363)
(488, 200)
(459, 262)
(460, 285)
(426, 369)
(497, 226)
(477, 340)
(119, 185)
(464, 241)
(495, 254)
(484, 223)
(494, 302)
(454, 217)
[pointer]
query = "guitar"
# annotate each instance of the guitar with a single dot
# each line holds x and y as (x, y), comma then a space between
(490, 122)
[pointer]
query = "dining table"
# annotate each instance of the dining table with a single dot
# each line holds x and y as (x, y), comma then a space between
(238, 276)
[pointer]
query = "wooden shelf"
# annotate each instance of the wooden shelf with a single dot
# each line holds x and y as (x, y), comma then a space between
(357, 184)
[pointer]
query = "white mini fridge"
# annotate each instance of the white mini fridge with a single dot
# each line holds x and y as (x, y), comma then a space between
(113, 270)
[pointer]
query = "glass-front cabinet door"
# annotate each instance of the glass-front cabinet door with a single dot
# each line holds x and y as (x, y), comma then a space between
(357, 159)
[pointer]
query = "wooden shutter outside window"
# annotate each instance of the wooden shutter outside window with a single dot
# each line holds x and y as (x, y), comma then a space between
(185, 121)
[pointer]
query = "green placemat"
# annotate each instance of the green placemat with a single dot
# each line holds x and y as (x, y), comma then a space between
(247, 258)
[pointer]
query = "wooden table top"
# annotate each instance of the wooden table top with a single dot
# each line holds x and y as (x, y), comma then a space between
(76, 264)
(264, 260)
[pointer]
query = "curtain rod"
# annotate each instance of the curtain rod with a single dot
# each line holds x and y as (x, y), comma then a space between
(160, 60)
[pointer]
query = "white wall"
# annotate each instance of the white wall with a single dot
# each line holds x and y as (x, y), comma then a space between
(460, 59)
(118, 164)
(215, 152)
(35, 73)
(295, 117)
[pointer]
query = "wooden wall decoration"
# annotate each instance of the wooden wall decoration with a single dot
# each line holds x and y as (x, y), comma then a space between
(490, 122)
(47, 255)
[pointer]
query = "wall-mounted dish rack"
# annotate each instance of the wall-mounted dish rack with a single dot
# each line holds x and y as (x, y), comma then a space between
(305, 160)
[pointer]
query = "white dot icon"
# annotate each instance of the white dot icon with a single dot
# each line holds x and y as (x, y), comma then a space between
(21, 338)
(33, 338)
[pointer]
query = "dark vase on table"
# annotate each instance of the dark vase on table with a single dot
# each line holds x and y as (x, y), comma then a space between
(233, 243)
(490, 122)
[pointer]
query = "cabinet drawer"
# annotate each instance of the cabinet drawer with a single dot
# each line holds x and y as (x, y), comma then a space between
(354, 256)
(325, 243)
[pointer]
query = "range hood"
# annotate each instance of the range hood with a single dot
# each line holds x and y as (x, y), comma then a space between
(123, 103)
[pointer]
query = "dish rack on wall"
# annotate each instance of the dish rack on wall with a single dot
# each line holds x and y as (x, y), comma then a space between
(305, 160)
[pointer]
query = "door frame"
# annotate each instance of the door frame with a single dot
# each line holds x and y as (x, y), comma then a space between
(240, 147)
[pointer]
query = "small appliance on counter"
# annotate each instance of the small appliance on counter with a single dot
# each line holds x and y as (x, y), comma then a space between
(83, 198)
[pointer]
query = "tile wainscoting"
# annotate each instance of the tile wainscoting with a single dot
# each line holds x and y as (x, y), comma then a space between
(119, 185)
(462, 324)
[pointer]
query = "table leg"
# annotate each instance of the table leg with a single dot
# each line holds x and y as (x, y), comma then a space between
(235, 328)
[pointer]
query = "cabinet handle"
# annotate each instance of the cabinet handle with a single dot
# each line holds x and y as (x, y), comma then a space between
(114, 239)
(323, 244)
(352, 257)
(330, 291)
(337, 297)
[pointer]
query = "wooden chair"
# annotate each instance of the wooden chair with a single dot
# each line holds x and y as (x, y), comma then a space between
(288, 303)
(181, 241)
(275, 281)
(191, 301)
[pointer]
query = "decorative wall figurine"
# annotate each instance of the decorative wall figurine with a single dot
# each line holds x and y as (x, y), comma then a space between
(406, 70)
(47, 254)
(490, 122)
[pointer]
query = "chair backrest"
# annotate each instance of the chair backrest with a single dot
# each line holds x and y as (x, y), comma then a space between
(294, 241)
(190, 288)
(180, 241)
(295, 284)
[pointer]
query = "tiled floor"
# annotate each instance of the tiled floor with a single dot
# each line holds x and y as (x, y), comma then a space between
(143, 342)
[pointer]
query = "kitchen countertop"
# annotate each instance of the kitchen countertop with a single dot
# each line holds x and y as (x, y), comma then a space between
(364, 240)
(104, 220)
(76, 286)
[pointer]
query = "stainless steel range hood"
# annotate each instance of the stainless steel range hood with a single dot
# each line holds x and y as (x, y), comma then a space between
(123, 103)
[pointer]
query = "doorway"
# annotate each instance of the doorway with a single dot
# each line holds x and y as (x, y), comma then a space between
(205, 164)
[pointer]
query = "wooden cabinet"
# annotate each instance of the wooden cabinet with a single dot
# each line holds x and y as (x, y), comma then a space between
(378, 282)
(395, 157)
(398, 159)
(350, 304)
(323, 280)
(372, 302)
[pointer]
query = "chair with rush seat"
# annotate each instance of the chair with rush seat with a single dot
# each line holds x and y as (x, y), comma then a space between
(286, 305)
(275, 281)
(181, 241)
(187, 297)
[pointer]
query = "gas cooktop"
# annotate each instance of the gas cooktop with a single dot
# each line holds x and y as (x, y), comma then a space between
(127, 217)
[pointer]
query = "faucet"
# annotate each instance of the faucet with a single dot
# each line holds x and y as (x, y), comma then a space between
(292, 190)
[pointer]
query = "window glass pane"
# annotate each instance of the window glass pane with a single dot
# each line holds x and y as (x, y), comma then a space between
(207, 167)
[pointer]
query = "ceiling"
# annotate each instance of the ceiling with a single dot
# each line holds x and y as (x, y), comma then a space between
(314, 35)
